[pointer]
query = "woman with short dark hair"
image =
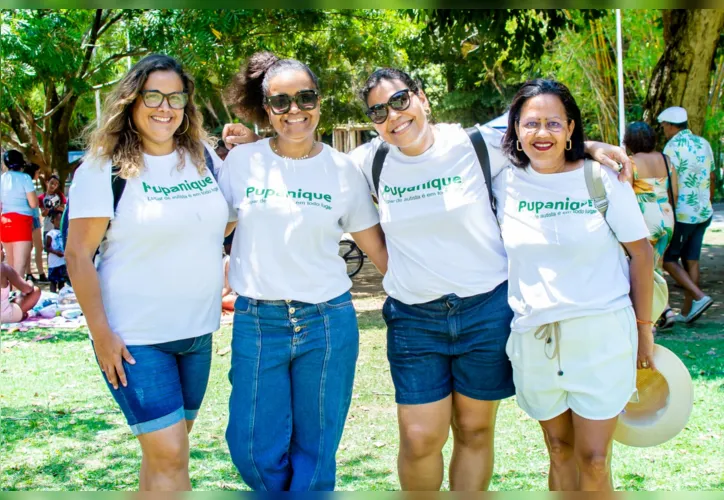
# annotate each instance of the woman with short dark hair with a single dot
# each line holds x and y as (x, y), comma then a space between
(577, 335)
(19, 200)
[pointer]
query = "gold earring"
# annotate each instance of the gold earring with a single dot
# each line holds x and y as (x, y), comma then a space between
(517, 146)
(188, 122)
(569, 145)
(130, 126)
(428, 111)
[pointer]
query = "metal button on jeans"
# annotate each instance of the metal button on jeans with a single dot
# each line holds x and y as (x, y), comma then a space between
(288, 301)
(292, 310)
(294, 320)
(297, 329)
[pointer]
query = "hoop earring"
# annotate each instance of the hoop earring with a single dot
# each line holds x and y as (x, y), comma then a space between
(517, 146)
(569, 145)
(130, 126)
(188, 122)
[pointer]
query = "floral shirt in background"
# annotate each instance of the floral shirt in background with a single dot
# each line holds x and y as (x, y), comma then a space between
(693, 159)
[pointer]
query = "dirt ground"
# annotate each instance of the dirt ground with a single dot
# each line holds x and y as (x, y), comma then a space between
(367, 285)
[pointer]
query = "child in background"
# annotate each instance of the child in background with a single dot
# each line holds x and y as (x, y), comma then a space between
(52, 199)
(57, 273)
(14, 312)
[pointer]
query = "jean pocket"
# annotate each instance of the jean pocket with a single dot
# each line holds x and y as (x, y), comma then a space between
(242, 305)
(343, 300)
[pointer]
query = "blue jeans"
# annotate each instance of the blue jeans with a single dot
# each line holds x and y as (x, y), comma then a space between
(166, 385)
(292, 370)
(450, 344)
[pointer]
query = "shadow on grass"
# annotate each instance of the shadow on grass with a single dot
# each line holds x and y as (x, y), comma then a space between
(80, 335)
(20, 423)
(363, 471)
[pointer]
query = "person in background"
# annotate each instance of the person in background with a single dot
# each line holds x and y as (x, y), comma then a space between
(15, 312)
(18, 196)
(693, 159)
(52, 199)
(656, 188)
(228, 295)
(57, 273)
(33, 170)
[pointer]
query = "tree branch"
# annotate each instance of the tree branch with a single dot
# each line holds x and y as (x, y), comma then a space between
(91, 45)
(104, 85)
(115, 57)
(110, 22)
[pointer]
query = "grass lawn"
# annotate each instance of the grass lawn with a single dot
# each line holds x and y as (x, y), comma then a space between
(61, 430)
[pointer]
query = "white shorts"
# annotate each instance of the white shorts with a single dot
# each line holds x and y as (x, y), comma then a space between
(597, 372)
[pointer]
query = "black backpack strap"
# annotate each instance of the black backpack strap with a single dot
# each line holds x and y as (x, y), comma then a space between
(210, 164)
(481, 150)
(118, 184)
(377, 163)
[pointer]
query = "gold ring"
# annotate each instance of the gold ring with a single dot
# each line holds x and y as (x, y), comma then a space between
(645, 364)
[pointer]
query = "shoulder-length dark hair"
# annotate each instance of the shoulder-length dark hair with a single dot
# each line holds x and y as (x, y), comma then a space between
(534, 88)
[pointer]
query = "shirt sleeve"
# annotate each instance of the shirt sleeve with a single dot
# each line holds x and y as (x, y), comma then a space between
(218, 165)
(91, 191)
(361, 211)
(363, 157)
(226, 180)
(623, 214)
(28, 184)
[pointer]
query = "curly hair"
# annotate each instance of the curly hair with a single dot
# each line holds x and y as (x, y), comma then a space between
(117, 142)
(245, 94)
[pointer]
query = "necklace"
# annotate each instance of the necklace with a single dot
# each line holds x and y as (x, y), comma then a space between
(276, 151)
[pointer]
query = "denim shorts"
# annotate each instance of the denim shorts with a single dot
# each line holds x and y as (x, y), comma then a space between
(450, 344)
(36, 222)
(166, 385)
(686, 241)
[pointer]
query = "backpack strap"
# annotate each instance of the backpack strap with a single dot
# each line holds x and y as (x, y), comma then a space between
(481, 150)
(377, 164)
(118, 184)
(594, 183)
(210, 164)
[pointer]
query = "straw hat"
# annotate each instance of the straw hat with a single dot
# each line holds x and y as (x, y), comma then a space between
(663, 406)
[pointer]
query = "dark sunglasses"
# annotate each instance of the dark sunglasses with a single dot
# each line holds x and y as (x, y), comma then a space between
(154, 99)
(282, 103)
(399, 101)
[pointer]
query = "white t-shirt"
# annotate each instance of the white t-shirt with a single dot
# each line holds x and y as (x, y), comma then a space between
(291, 216)
(564, 262)
(160, 264)
(56, 243)
(441, 233)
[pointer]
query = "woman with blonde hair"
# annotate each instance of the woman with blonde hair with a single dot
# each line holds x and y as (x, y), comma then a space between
(147, 196)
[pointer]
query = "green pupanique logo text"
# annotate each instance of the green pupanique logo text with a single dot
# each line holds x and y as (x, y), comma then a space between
(265, 193)
(436, 184)
(184, 186)
(563, 206)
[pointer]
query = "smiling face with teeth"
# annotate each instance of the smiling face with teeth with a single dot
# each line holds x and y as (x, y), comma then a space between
(543, 130)
(298, 125)
(407, 129)
(156, 126)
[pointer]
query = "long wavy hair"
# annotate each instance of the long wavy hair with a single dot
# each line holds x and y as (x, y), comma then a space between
(116, 140)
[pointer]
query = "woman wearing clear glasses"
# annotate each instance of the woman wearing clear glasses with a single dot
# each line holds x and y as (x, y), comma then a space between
(295, 336)
(150, 321)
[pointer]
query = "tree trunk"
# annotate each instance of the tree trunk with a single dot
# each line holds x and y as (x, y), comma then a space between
(59, 139)
(683, 74)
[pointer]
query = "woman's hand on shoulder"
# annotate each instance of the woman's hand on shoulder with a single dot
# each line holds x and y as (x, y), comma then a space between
(238, 133)
(611, 156)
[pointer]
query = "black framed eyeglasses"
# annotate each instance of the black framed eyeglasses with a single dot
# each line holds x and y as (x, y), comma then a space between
(399, 101)
(154, 99)
(282, 103)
